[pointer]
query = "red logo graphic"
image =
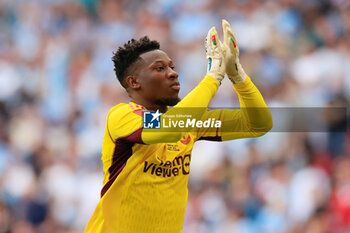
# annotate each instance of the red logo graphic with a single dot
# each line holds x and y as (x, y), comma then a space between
(185, 140)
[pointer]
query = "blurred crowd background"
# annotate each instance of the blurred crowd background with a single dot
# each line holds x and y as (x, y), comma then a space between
(57, 85)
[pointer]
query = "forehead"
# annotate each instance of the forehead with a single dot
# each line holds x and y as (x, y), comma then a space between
(155, 55)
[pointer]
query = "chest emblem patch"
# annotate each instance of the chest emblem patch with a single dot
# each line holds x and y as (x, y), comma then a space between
(185, 140)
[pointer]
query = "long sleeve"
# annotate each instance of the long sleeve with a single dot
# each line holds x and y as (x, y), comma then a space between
(253, 119)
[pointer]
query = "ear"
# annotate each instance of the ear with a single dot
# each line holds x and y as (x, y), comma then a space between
(132, 82)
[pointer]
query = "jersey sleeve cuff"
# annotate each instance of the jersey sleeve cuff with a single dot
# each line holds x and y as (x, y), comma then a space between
(245, 85)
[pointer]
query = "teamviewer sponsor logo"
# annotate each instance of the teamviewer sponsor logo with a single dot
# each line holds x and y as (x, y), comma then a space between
(180, 165)
(151, 120)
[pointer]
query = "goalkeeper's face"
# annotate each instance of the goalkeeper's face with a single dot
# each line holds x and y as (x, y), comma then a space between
(158, 82)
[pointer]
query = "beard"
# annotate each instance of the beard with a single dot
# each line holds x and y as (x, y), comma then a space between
(168, 101)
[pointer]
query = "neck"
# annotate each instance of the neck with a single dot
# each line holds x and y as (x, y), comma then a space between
(150, 106)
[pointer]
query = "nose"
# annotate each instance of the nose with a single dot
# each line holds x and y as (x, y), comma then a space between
(172, 74)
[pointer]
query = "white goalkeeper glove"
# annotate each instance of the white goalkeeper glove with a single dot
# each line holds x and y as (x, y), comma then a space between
(234, 69)
(215, 57)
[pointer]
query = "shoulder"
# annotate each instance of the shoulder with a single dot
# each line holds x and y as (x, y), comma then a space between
(125, 109)
(124, 119)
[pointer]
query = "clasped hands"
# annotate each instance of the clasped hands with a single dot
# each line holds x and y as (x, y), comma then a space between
(223, 57)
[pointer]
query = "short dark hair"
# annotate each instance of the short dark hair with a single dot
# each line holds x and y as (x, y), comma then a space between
(130, 53)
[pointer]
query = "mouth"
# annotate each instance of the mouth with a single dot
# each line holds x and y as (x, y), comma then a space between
(175, 86)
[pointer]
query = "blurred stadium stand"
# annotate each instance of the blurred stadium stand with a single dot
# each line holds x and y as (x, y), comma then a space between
(57, 85)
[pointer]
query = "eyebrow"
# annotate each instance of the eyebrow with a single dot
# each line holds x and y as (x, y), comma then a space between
(162, 61)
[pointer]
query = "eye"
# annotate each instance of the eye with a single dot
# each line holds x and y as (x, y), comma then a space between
(172, 67)
(159, 68)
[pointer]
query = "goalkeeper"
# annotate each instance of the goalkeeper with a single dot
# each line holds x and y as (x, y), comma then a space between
(146, 173)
